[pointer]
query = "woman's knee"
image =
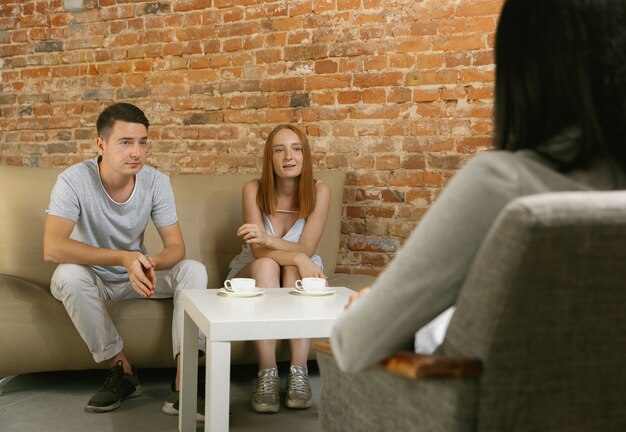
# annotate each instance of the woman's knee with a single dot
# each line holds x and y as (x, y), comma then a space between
(265, 265)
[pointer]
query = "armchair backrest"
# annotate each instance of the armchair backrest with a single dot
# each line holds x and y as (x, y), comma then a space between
(544, 307)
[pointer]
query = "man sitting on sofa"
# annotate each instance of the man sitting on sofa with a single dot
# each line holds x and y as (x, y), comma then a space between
(94, 228)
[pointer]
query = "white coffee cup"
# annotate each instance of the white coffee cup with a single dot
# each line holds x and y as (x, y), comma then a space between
(311, 284)
(240, 285)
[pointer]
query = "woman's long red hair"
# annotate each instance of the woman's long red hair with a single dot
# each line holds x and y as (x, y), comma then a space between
(266, 198)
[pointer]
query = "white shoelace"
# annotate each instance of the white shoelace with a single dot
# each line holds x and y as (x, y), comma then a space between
(267, 382)
(298, 381)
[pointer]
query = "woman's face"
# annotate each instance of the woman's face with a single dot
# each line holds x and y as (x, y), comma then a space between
(287, 154)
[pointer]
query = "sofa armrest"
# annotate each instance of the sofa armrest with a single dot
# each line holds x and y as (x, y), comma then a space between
(417, 366)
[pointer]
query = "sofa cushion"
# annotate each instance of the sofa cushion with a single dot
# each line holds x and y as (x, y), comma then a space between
(23, 201)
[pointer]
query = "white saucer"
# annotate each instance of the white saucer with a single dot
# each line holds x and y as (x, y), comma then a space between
(313, 294)
(256, 292)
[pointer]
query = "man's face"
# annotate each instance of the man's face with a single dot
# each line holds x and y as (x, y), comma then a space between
(124, 152)
(287, 154)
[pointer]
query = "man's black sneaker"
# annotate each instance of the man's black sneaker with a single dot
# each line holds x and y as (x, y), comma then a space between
(171, 405)
(117, 387)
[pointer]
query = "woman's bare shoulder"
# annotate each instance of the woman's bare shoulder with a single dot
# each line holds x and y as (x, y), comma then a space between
(321, 187)
(252, 185)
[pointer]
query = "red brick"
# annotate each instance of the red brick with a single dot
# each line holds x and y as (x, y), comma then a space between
(371, 32)
(483, 58)
(317, 114)
(352, 49)
(188, 5)
(429, 61)
(325, 66)
(253, 42)
(376, 62)
(325, 98)
(327, 81)
(274, 69)
(421, 95)
(238, 29)
(291, 115)
(125, 40)
(202, 75)
(304, 52)
(486, 92)
(471, 76)
(413, 161)
(348, 4)
(399, 129)
(415, 44)
(324, 5)
(234, 14)
(378, 79)
(430, 109)
(458, 58)
(374, 96)
(290, 24)
(387, 162)
(276, 40)
(267, 56)
(452, 94)
(479, 7)
(444, 162)
(35, 72)
(232, 44)
(399, 95)
(363, 19)
(461, 42)
(482, 128)
(300, 7)
(298, 37)
(349, 97)
(283, 84)
(373, 112)
(445, 76)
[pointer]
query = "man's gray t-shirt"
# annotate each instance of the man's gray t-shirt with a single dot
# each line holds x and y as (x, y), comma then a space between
(79, 196)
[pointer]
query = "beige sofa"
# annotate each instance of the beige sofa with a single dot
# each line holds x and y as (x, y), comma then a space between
(36, 333)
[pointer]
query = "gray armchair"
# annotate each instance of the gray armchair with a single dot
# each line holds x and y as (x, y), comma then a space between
(543, 311)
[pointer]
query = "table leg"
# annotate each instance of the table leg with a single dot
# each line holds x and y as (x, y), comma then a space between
(217, 386)
(188, 376)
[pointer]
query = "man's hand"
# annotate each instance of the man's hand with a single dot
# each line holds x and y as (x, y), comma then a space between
(141, 273)
(307, 268)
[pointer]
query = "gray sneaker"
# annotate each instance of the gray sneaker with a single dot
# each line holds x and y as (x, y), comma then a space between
(299, 394)
(266, 397)
(117, 387)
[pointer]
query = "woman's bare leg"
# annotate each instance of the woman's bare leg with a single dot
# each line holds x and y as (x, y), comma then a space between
(266, 272)
(299, 347)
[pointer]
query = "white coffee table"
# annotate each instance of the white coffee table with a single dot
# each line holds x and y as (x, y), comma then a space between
(277, 314)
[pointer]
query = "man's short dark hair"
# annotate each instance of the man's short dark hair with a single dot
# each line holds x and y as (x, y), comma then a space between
(120, 111)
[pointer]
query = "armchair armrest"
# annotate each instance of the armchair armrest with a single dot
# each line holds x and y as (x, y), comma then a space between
(417, 366)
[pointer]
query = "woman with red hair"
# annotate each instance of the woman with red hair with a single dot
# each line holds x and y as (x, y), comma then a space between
(284, 215)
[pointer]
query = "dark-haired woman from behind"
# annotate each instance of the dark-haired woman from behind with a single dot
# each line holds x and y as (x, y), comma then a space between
(560, 106)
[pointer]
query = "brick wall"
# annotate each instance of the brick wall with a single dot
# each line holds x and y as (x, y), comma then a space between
(396, 92)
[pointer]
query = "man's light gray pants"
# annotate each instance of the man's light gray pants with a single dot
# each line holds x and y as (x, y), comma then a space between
(83, 294)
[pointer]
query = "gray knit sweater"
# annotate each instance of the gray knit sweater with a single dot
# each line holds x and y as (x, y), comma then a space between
(426, 275)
